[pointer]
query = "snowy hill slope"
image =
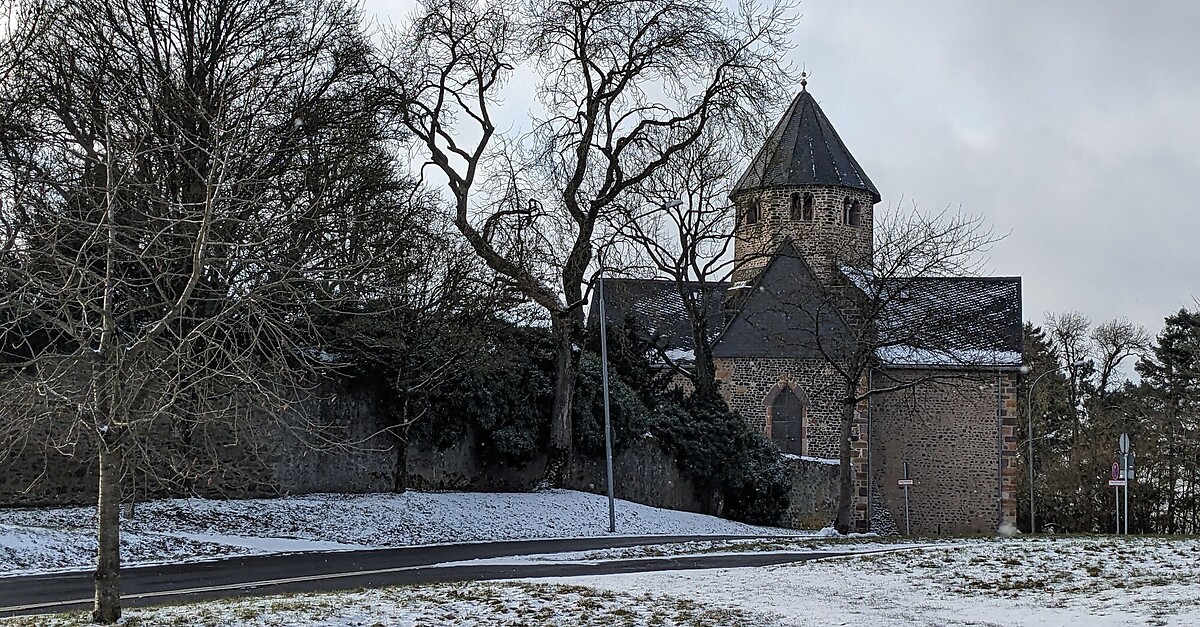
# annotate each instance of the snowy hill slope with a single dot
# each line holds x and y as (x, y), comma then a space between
(167, 531)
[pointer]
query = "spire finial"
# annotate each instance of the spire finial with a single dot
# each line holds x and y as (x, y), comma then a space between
(803, 81)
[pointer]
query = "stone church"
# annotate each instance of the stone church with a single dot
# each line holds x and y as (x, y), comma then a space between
(933, 438)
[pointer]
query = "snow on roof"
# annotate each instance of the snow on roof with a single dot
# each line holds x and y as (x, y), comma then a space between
(657, 309)
(909, 356)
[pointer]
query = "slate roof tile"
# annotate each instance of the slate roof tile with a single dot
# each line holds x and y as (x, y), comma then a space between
(804, 149)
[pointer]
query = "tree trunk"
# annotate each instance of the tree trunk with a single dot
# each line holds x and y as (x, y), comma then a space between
(400, 481)
(845, 511)
(566, 367)
(107, 607)
(706, 384)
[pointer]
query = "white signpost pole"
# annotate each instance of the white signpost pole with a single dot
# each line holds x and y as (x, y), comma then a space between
(1124, 445)
(1126, 506)
(1116, 484)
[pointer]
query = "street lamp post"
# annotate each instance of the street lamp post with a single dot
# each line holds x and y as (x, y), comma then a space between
(1029, 418)
(608, 460)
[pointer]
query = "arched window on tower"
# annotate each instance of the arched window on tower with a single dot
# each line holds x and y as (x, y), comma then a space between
(846, 210)
(794, 209)
(752, 213)
(855, 217)
(808, 212)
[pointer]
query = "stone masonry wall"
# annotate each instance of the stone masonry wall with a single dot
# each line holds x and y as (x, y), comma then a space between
(957, 437)
(241, 458)
(823, 241)
(812, 502)
(746, 384)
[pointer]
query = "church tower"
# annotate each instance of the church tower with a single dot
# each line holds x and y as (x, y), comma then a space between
(804, 185)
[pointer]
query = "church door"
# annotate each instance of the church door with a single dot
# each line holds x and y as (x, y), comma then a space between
(787, 422)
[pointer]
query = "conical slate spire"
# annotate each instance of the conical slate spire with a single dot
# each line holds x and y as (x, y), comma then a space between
(804, 149)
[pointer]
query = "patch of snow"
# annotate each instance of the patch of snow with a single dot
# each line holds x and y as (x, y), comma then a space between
(681, 355)
(176, 530)
(476, 604)
(1071, 582)
(910, 356)
(862, 278)
(807, 458)
(1018, 582)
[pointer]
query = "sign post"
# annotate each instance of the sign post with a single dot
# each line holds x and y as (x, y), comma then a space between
(905, 483)
(1126, 472)
(1116, 482)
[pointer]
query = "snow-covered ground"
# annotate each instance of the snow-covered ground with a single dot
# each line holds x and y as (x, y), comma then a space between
(1068, 582)
(170, 531)
(1041, 582)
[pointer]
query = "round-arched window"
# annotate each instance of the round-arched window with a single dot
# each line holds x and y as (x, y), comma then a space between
(752, 213)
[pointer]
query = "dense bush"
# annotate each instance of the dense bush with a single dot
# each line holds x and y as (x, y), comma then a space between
(725, 458)
(631, 419)
(504, 406)
(505, 402)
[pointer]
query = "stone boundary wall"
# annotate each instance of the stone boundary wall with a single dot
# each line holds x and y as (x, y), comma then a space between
(814, 497)
(37, 475)
(251, 459)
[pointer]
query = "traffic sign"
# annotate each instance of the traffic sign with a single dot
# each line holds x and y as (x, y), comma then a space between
(1116, 471)
(1124, 443)
(1117, 482)
(905, 482)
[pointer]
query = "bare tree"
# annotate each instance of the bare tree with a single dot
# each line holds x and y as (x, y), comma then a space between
(1113, 343)
(681, 228)
(427, 329)
(622, 85)
(183, 185)
(1092, 360)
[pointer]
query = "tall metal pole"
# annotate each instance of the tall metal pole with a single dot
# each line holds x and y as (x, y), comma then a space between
(1029, 416)
(608, 458)
(1128, 479)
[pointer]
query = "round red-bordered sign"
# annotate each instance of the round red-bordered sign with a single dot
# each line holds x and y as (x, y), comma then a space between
(1116, 471)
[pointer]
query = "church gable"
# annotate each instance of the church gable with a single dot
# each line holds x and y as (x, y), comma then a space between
(786, 314)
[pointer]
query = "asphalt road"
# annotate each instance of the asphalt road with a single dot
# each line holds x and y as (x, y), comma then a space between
(311, 572)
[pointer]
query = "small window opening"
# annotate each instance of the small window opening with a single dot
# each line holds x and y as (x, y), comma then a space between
(809, 202)
(752, 213)
(846, 210)
(855, 217)
(794, 208)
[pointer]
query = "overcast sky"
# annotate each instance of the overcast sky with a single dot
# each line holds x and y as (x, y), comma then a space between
(1073, 126)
